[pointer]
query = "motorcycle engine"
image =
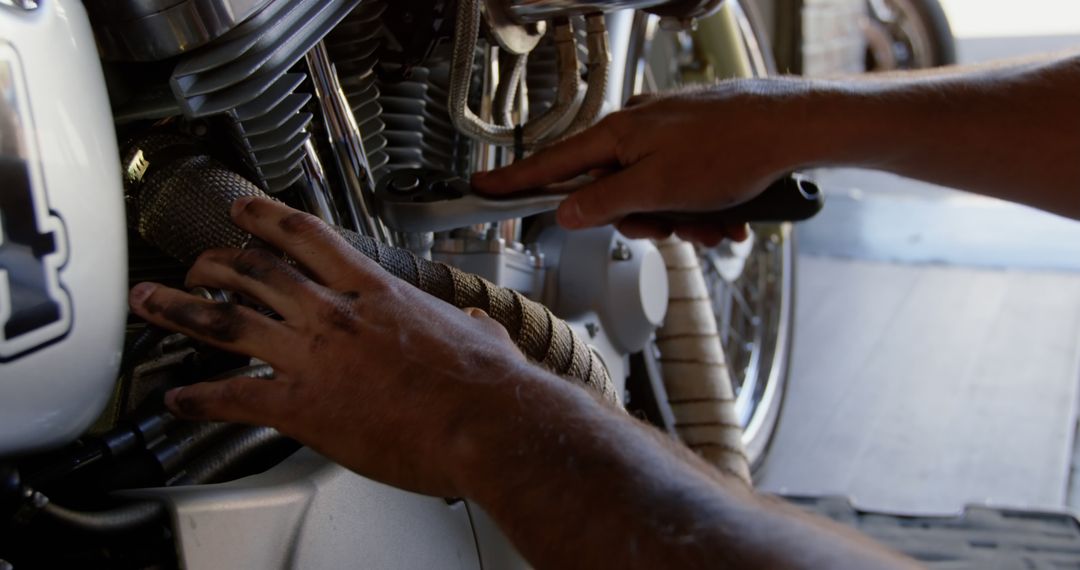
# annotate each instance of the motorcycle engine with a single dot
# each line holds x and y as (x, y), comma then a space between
(272, 91)
(244, 90)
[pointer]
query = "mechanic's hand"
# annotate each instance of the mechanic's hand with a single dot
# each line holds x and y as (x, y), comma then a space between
(370, 371)
(701, 150)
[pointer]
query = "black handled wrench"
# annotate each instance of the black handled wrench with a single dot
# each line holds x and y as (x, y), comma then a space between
(422, 200)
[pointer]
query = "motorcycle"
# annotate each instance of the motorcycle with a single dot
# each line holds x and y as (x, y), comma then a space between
(126, 127)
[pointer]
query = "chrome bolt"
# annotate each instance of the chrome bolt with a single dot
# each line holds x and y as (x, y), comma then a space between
(673, 24)
(621, 252)
(405, 182)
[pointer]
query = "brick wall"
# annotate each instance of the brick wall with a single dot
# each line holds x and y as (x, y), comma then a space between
(832, 41)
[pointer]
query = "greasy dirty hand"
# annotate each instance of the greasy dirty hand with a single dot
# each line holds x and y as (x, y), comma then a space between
(369, 371)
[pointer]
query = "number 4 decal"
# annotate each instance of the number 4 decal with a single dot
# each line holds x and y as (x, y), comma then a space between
(35, 310)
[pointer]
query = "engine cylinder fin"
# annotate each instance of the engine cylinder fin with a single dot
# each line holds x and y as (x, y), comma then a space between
(271, 158)
(265, 143)
(271, 98)
(237, 79)
(287, 180)
(405, 123)
(353, 47)
(245, 75)
(290, 107)
(418, 129)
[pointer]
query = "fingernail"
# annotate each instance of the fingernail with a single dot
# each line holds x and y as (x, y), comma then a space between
(569, 214)
(140, 292)
(239, 204)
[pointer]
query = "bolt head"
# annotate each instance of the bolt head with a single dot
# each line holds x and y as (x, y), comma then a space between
(621, 252)
(404, 182)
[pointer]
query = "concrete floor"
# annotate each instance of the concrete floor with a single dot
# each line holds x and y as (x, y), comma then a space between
(922, 387)
(937, 345)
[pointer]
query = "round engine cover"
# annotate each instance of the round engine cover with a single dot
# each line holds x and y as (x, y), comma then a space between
(63, 268)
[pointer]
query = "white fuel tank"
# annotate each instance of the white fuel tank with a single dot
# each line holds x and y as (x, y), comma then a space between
(63, 259)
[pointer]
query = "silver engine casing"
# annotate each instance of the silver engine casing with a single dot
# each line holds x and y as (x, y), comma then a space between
(69, 266)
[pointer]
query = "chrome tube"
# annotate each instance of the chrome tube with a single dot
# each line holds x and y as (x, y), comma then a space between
(528, 11)
(350, 159)
(316, 193)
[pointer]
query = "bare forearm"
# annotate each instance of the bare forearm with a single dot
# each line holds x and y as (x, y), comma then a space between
(576, 483)
(1010, 131)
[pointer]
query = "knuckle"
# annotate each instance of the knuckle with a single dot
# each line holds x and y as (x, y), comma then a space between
(234, 393)
(616, 122)
(254, 263)
(251, 207)
(279, 414)
(208, 257)
(339, 311)
(303, 225)
(219, 321)
(191, 405)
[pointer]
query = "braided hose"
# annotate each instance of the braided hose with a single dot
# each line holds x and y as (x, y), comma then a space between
(466, 31)
(243, 444)
(598, 66)
(183, 209)
(507, 90)
(693, 366)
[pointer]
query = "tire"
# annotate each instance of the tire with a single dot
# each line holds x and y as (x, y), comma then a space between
(758, 369)
(940, 32)
(909, 34)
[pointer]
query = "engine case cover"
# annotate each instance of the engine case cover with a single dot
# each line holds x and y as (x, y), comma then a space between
(63, 268)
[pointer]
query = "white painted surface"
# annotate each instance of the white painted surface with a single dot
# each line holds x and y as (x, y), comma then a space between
(52, 394)
(1002, 18)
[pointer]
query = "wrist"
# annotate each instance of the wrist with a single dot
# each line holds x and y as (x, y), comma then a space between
(490, 429)
(849, 123)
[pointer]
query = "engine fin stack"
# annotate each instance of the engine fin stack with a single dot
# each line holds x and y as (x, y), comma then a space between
(418, 129)
(246, 76)
(354, 47)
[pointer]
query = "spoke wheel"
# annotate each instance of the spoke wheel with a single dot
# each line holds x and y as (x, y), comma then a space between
(908, 34)
(750, 284)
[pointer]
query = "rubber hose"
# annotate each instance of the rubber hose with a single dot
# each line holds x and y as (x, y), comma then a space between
(119, 520)
(183, 209)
